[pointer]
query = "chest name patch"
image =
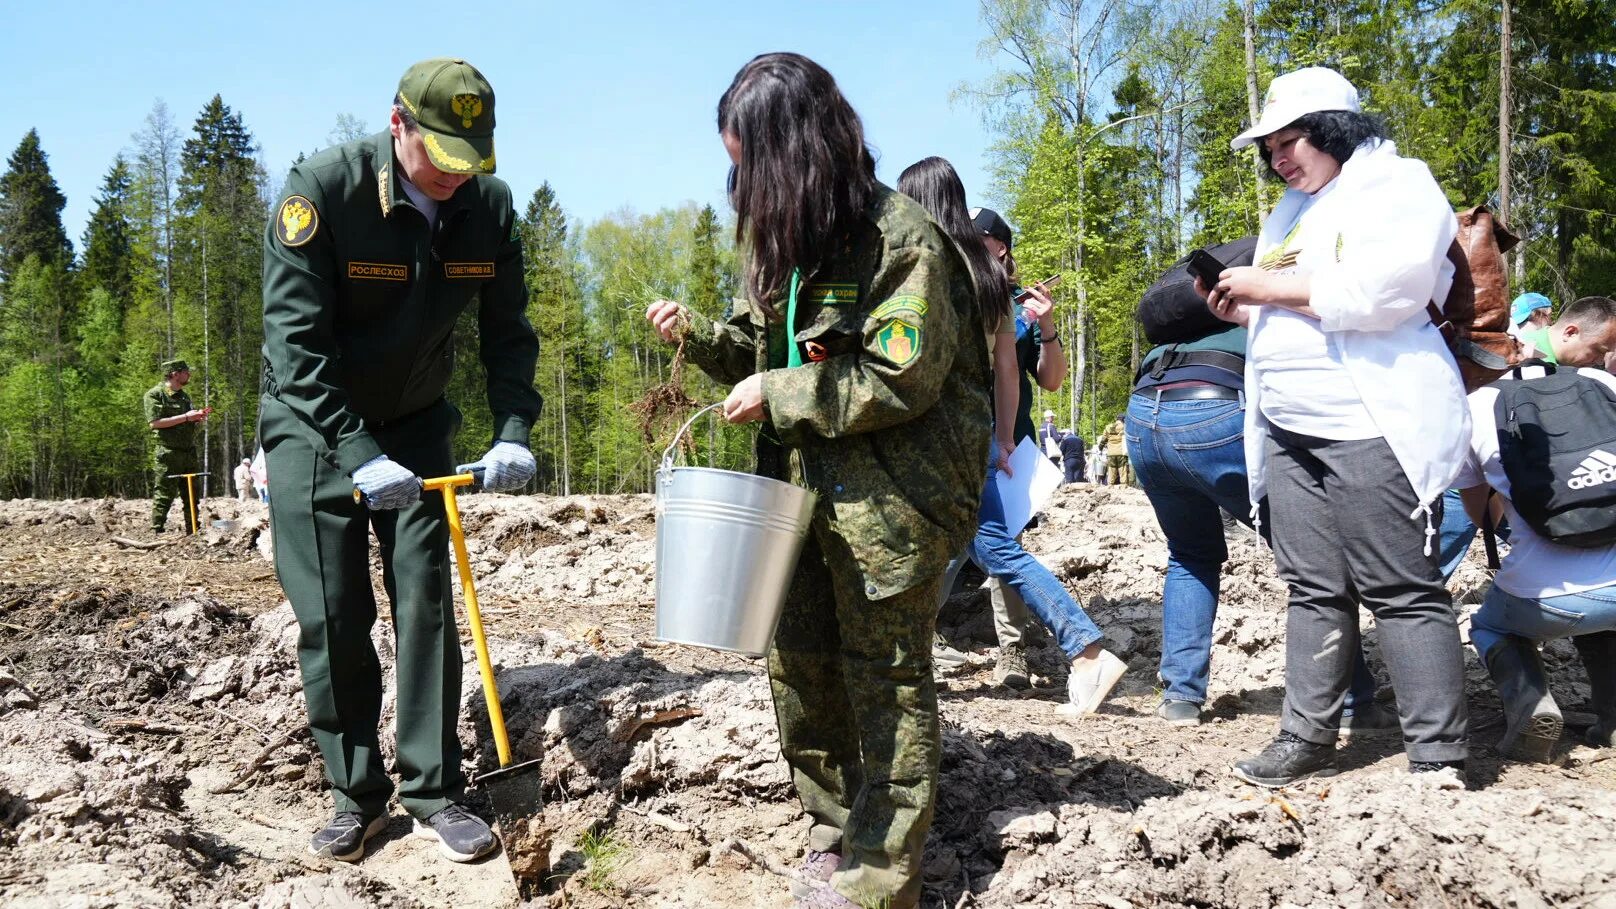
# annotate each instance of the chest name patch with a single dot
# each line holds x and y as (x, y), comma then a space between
(378, 271)
(468, 269)
(827, 293)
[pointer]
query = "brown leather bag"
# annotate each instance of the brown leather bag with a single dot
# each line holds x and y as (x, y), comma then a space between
(1475, 317)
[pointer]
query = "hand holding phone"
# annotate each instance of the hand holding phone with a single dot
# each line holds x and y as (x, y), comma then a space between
(1205, 266)
(1048, 284)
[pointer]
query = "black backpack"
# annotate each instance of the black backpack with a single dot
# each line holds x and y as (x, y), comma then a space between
(1171, 311)
(1557, 444)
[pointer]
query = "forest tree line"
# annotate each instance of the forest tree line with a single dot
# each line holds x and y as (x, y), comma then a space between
(1109, 121)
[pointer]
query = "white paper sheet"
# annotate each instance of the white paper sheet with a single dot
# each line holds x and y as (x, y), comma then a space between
(1027, 490)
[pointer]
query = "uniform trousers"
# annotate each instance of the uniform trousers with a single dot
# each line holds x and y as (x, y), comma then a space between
(166, 486)
(857, 708)
(322, 557)
(1342, 534)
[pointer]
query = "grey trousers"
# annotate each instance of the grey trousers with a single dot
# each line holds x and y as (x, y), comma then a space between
(1342, 535)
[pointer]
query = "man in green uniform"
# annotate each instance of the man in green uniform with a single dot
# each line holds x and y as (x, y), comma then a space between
(883, 411)
(373, 252)
(1118, 471)
(170, 415)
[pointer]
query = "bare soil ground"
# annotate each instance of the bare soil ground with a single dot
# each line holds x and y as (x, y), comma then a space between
(153, 750)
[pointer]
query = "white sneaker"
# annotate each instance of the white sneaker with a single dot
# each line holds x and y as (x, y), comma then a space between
(1089, 682)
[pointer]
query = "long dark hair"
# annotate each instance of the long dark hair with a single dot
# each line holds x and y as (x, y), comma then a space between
(805, 175)
(935, 184)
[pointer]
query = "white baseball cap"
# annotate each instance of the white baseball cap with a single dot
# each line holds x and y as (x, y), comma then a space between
(1295, 95)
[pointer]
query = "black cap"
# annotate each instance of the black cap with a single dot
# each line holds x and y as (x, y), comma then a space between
(991, 225)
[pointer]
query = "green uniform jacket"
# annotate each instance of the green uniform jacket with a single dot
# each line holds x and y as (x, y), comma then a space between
(361, 298)
(890, 425)
(159, 403)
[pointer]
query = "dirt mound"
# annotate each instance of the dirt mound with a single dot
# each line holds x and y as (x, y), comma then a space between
(153, 749)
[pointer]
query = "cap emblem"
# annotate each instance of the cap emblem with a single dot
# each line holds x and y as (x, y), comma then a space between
(469, 107)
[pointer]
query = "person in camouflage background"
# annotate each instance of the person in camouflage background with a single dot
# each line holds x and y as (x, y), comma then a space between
(872, 387)
(172, 418)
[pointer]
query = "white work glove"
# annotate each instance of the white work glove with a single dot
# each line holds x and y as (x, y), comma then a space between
(506, 466)
(386, 484)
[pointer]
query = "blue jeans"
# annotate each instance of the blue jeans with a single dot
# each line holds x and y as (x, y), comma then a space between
(999, 554)
(1190, 458)
(1537, 620)
(1458, 533)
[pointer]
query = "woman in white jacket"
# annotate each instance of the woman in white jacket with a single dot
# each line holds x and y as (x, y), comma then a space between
(1356, 420)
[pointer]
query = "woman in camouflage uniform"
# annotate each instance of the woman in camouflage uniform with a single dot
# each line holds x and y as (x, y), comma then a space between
(858, 346)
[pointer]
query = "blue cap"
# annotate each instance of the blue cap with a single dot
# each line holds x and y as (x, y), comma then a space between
(1525, 305)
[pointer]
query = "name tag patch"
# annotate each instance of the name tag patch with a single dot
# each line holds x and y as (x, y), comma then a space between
(468, 269)
(378, 271)
(828, 293)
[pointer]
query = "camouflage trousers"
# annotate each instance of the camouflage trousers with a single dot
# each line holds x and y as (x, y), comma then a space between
(1118, 471)
(166, 487)
(857, 708)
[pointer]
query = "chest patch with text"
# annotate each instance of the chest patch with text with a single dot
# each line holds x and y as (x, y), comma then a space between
(378, 271)
(468, 269)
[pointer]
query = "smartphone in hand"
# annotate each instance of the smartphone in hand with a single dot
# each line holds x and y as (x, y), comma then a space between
(1205, 266)
(1047, 284)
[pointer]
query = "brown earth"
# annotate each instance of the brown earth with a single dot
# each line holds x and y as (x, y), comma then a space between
(153, 749)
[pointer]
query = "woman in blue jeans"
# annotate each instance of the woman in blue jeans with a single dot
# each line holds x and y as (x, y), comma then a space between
(1094, 671)
(1188, 454)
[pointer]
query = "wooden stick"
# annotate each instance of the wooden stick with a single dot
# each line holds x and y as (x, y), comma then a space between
(134, 544)
(257, 761)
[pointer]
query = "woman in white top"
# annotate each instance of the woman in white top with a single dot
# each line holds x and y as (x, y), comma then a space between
(1356, 420)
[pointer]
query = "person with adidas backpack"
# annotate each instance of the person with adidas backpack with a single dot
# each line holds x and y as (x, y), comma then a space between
(1544, 441)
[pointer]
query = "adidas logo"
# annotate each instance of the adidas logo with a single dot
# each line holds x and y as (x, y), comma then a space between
(1599, 467)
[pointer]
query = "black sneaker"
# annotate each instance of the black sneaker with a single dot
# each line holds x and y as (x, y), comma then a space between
(461, 835)
(1436, 766)
(344, 838)
(1287, 758)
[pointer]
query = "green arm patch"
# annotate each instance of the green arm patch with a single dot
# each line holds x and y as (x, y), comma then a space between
(902, 303)
(829, 293)
(899, 341)
(297, 221)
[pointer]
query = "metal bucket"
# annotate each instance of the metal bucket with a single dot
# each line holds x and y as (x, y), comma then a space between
(726, 547)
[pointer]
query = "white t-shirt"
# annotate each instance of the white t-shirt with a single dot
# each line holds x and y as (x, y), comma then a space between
(1535, 567)
(1305, 387)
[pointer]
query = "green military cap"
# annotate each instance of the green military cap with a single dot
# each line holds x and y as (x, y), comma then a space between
(454, 107)
(173, 366)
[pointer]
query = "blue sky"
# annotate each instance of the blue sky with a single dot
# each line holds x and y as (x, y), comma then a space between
(612, 102)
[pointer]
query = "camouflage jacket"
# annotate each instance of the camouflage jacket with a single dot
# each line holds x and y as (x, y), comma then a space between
(361, 296)
(159, 404)
(888, 418)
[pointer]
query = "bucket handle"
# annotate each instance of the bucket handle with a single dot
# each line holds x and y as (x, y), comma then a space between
(667, 456)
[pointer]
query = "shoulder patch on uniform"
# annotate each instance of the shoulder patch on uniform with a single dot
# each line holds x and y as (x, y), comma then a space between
(297, 221)
(899, 341)
(831, 293)
(902, 303)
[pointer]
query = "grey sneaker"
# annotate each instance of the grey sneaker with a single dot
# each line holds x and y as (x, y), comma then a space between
(1179, 713)
(816, 869)
(461, 835)
(944, 656)
(1371, 718)
(344, 838)
(1011, 668)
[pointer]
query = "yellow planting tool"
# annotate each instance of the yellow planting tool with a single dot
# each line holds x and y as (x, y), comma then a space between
(513, 789)
(190, 493)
